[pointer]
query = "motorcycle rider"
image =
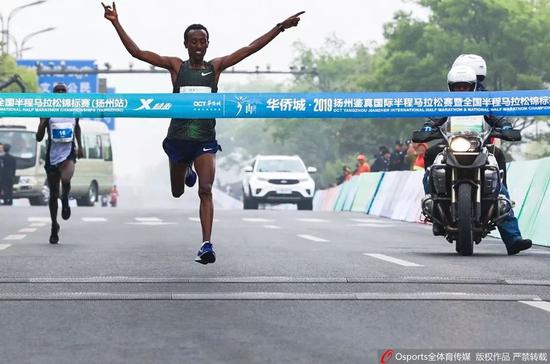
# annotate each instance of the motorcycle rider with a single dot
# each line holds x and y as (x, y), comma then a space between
(463, 78)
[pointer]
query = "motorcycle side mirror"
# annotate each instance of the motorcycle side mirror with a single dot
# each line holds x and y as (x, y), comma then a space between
(420, 136)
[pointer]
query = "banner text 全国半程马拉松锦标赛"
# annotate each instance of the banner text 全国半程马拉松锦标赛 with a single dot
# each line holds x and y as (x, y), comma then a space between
(278, 105)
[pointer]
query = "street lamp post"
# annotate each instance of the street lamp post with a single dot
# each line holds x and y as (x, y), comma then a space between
(6, 30)
(19, 54)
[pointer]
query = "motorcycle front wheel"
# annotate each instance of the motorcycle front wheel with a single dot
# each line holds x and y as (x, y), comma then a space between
(465, 241)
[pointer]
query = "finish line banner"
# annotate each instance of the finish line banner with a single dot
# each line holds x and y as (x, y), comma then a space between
(278, 105)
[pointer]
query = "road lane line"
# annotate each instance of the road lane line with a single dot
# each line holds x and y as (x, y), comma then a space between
(253, 219)
(27, 230)
(15, 237)
(94, 219)
(272, 227)
(38, 224)
(393, 260)
(4, 246)
(312, 238)
(148, 219)
(543, 305)
(312, 220)
(38, 219)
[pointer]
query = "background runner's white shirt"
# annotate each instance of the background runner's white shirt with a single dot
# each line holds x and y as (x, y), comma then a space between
(61, 139)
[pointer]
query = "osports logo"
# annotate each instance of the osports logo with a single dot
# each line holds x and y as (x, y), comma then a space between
(147, 104)
(386, 356)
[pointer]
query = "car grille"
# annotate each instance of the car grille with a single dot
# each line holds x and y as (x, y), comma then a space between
(283, 181)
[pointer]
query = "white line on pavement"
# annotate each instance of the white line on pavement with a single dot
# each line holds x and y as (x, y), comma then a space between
(4, 246)
(94, 219)
(312, 220)
(393, 260)
(27, 230)
(38, 219)
(543, 305)
(312, 238)
(15, 237)
(38, 224)
(148, 219)
(252, 219)
(272, 227)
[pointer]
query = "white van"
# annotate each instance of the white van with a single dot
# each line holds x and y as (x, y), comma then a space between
(94, 173)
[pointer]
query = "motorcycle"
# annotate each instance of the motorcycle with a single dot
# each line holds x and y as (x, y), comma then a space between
(465, 181)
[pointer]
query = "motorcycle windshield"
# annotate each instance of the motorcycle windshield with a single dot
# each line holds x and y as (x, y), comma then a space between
(466, 125)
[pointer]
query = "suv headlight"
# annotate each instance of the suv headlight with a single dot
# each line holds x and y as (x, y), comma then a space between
(262, 179)
(460, 144)
(27, 180)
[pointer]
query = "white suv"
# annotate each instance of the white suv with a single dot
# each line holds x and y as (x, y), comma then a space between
(278, 179)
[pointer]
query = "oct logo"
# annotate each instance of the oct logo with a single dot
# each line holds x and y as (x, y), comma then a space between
(386, 356)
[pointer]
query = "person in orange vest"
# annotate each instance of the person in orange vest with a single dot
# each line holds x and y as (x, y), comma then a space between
(362, 165)
(114, 196)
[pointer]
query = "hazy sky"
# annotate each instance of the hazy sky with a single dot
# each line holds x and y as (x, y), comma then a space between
(83, 33)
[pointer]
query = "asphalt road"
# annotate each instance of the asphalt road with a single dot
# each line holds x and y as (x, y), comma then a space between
(288, 286)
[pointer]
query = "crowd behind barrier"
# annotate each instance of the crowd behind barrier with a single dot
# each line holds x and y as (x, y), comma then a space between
(397, 195)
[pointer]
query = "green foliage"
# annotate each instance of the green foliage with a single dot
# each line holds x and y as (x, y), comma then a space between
(512, 36)
(9, 68)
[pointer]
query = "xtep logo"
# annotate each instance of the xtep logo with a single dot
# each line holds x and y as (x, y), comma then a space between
(386, 356)
(147, 104)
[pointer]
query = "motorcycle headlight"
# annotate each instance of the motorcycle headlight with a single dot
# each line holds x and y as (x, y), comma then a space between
(460, 144)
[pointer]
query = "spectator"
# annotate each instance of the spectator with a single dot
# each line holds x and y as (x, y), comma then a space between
(345, 176)
(114, 196)
(8, 175)
(382, 163)
(397, 159)
(362, 165)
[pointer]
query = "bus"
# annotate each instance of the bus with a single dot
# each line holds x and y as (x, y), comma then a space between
(94, 172)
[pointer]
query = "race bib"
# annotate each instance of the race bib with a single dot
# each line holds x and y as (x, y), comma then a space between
(62, 132)
(195, 90)
(466, 124)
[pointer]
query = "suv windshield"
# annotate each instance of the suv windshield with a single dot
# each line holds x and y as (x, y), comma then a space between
(23, 146)
(280, 165)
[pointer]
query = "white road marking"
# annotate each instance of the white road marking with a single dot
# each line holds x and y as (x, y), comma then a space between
(312, 238)
(148, 219)
(94, 219)
(252, 219)
(393, 260)
(4, 246)
(15, 237)
(312, 220)
(38, 224)
(543, 305)
(27, 230)
(38, 219)
(272, 227)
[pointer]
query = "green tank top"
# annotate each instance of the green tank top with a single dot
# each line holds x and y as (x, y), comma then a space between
(194, 80)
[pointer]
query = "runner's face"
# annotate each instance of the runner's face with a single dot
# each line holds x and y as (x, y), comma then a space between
(196, 44)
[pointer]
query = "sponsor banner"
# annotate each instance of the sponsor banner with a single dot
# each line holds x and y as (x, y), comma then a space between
(278, 105)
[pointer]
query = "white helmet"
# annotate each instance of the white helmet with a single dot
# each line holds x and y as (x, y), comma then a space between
(475, 62)
(462, 74)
